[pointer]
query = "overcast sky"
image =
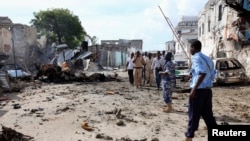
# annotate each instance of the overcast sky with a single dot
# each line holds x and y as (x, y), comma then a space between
(113, 19)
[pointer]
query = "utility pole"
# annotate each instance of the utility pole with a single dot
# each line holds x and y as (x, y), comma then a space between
(96, 54)
(175, 34)
(14, 53)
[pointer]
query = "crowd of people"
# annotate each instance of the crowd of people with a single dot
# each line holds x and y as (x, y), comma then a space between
(153, 70)
(145, 68)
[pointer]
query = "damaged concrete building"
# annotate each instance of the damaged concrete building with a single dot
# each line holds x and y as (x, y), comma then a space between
(21, 49)
(114, 53)
(224, 30)
(19, 43)
(20, 46)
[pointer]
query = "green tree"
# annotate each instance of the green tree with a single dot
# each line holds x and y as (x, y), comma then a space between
(60, 26)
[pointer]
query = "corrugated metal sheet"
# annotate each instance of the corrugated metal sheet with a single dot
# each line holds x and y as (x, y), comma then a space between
(84, 55)
(112, 58)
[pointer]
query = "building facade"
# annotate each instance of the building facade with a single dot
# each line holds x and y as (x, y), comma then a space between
(224, 32)
(114, 53)
(186, 29)
(170, 46)
(19, 43)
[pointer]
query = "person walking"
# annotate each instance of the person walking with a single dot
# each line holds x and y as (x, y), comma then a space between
(168, 81)
(157, 67)
(138, 65)
(200, 98)
(130, 68)
(145, 57)
(163, 54)
(149, 71)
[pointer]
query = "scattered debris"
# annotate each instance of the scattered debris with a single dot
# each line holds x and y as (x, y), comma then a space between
(110, 92)
(59, 111)
(245, 115)
(16, 106)
(155, 139)
(224, 123)
(104, 137)
(4, 99)
(36, 110)
(99, 136)
(120, 123)
(86, 126)
(131, 114)
(8, 134)
(118, 113)
(124, 139)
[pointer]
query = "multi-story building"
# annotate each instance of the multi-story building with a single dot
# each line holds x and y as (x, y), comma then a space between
(186, 30)
(170, 46)
(224, 29)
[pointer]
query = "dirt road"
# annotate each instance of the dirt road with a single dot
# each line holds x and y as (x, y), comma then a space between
(113, 111)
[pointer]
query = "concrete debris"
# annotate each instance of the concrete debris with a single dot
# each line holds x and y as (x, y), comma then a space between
(8, 134)
(86, 126)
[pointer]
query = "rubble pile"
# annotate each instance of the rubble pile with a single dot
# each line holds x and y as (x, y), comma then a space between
(8, 134)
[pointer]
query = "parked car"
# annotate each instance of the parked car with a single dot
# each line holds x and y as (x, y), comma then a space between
(229, 70)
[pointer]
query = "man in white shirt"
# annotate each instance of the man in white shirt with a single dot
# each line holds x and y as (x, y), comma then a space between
(130, 68)
(157, 66)
(163, 55)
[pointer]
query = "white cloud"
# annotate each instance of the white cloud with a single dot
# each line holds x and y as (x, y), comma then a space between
(113, 19)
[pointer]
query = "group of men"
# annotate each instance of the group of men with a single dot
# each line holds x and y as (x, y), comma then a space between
(143, 68)
(201, 75)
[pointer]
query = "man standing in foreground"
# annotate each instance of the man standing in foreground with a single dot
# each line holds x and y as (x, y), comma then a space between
(200, 99)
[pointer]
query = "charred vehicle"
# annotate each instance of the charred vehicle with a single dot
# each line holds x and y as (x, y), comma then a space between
(229, 70)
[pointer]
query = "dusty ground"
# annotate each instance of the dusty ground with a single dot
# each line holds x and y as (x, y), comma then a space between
(114, 110)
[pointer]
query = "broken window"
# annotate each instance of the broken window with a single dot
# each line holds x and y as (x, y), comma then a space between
(202, 28)
(199, 31)
(220, 13)
(208, 25)
(229, 65)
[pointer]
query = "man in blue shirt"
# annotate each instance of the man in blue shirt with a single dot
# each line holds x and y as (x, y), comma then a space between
(200, 99)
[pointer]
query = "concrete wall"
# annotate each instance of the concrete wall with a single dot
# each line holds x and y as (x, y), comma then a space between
(22, 42)
(114, 53)
(25, 47)
(5, 43)
(5, 39)
(109, 55)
